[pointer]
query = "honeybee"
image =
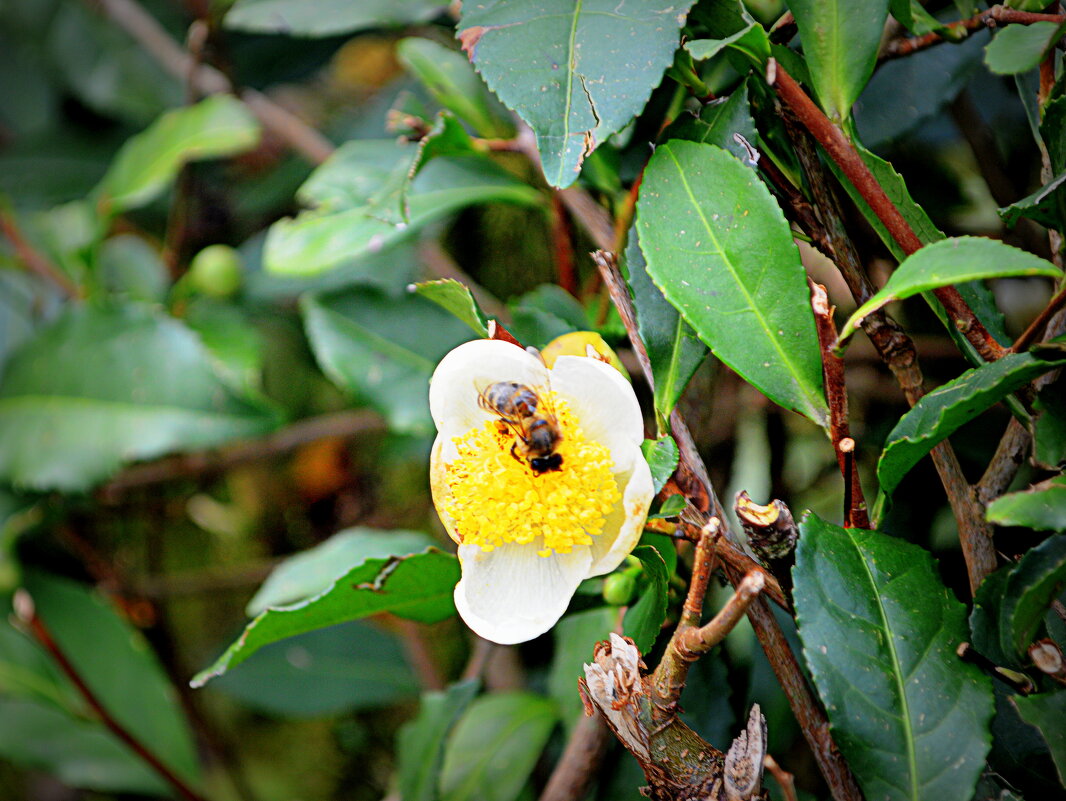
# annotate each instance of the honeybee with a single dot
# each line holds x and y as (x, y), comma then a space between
(530, 418)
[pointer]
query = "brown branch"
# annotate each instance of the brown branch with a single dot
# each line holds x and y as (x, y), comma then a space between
(35, 261)
(832, 139)
(26, 613)
(1037, 326)
(694, 642)
(152, 37)
(580, 763)
(199, 463)
(961, 29)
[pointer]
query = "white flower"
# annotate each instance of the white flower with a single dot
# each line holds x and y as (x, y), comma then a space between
(527, 539)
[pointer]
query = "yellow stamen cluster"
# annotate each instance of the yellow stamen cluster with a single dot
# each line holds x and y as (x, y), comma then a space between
(494, 498)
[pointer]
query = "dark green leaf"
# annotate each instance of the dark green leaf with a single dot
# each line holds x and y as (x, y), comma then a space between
(1047, 712)
(938, 414)
(1053, 132)
(544, 313)
(233, 342)
(494, 747)
(911, 14)
(575, 637)
(102, 387)
(1042, 507)
(420, 743)
(417, 587)
(215, 127)
(1032, 585)
(840, 42)
(577, 73)
(353, 666)
(326, 17)
(665, 546)
(1020, 48)
(454, 84)
(382, 350)
(661, 455)
(751, 40)
(26, 304)
(674, 350)
(672, 507)
(718, 123)
(948, 262)
(984, 619)
(720, 249)
(645, 618)
(454, 297)
(310, 572)
(1041, 206)
(879, 634)
(1049, 427)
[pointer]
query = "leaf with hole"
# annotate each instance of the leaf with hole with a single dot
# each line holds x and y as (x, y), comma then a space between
(879, 634)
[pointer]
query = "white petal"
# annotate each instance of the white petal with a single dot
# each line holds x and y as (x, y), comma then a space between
(601, 398)
(469, 369)
(438, 484)
(626, 522)
(510, 594)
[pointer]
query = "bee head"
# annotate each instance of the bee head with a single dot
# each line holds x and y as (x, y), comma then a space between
(546, 464)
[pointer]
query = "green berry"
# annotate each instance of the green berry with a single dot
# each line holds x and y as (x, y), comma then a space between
(618, 589)
(216, 271)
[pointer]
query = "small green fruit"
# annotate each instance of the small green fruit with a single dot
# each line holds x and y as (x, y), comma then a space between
(216, 271)
(618, 589)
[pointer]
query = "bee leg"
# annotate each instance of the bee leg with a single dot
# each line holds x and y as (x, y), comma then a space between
(514, 455)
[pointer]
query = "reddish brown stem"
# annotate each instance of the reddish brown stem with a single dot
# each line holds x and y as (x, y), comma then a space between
(858, 174)
(563, 246)
(1036, 327)
(26, 613)
(35, 261)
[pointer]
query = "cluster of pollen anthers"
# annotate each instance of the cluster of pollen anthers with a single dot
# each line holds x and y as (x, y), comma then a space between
(494, 498)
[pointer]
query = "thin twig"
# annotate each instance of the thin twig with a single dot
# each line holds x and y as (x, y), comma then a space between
(26, 613)
(785, 780)
(35, 261)
(695, 642)
(1037, 326)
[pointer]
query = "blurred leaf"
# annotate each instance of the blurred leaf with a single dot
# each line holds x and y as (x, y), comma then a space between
(948, 262)
(911, 14)
(1049, 427)
(1041, 206)
(720, 249)
(117, 664)
(879, 633)
(674, 349)
(323, 238)
(216, 127)
(576, 73)
(575, 637)
(1046, 712)
(26, 304)
(544, 313)
(940, 413)
(494, 747)
(1031, 586)
(232, 341)
(451, 80)
(840, 42)
(310, 572)
(131, 267)
(352, 666)
(661, 455)
(416, 587)
(382, 350)
(645, 618)
(102, 387)
(1042, 507)
(420, 742)
(455, 298)
(717, 124)
(326, 17)
(1020, 48)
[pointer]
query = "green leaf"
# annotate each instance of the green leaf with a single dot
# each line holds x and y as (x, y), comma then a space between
(417, 587)
(575, 72)
(26, 304)
(420, 743)
(105, 386)
(353, 666)
(937, 415)
(544, 313)
(119, 667)
(341, 230)
(455, 298)
(310, 572)
(575, 637)
(232, 340)
(1020, 48)
(1032, 585)
(326, 17)
(911, 14)
(216, 127)
(1046, 712)
(751, 40)
(985, 617)
(1041, 206)
(453, 83)
(1042, 507)
(718, 123)
(382, 350)
(661, 455)
(129, 266)
(719, 248)
(879, 634)
(645, 618)
(494, 747)
(1049, 427)
(948, 262)
(840, 41)
(665, 546)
